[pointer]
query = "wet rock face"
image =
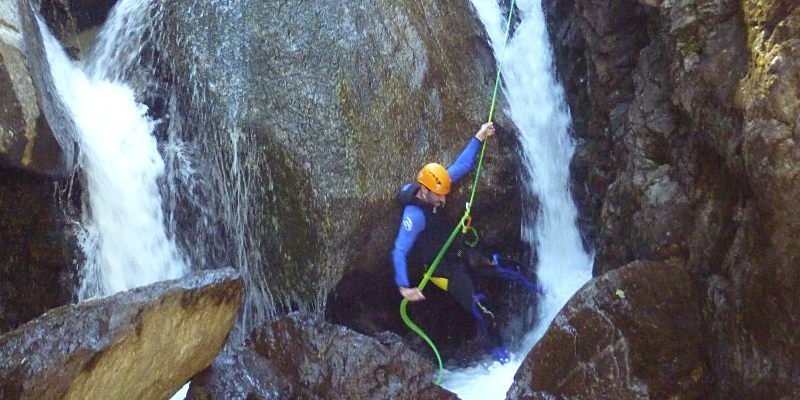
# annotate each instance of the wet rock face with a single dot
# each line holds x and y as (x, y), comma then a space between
(301, 356)
(350, 100)
(596, 44)
(68, 18)
(144, 343)
(37, 248)
(634, 333)
(28, 107)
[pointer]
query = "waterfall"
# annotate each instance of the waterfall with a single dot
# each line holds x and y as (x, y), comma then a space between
(149, 210)
(122, 232)
(537, 107)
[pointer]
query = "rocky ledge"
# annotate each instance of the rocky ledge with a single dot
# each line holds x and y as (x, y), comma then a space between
(302, 356)
(140, 344)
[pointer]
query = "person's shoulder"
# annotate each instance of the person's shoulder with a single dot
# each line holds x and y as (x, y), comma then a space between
(414, 210)
(413, 218)
(407, 192)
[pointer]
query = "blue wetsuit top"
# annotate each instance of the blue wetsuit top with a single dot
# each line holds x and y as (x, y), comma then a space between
(413, 222)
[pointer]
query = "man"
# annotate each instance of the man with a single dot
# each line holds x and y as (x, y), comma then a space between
(423, 231)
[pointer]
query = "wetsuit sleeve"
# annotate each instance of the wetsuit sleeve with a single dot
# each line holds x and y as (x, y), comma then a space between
(465, 160)
(412, 224)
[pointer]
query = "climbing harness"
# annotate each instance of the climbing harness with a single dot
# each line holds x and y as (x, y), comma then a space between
(462, 224)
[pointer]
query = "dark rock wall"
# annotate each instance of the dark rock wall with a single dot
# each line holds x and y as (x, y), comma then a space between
(687, 117)
(596, 46)
(756, 323)
(36, 271)
(68, 18)
(37, 248)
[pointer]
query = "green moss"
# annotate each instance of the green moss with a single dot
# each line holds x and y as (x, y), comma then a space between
(363, 182)
(354, 129)
(346, 106)
(691, 47)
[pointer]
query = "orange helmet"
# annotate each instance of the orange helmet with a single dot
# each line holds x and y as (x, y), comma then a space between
(434, 177)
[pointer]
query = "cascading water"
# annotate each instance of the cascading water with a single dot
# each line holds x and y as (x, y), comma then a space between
(229, 221)
(211, 167)
(122, 233)
(537, 107)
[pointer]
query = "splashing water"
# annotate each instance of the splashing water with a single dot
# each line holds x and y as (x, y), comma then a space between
(230, 220)
(122, 235)
(537, 106)
(130, 231)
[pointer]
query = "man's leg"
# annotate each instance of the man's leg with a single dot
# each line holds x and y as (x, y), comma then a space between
(461, 287)
(496, 267)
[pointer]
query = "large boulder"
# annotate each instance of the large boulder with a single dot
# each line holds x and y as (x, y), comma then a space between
(140, 344)
(300, 137)
(633, 333)
(301, 356)
(323, 110)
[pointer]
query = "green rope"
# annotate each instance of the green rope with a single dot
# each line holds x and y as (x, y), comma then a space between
(459, 226)
(491, 108)
(421, 286)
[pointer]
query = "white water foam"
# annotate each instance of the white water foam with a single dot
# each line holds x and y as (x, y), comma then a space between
(122, 232)
(537, 106)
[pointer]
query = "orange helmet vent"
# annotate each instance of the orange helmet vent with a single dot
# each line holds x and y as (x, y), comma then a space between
(434, 177)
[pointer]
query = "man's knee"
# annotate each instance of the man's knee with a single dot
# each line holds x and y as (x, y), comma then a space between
(475, 258)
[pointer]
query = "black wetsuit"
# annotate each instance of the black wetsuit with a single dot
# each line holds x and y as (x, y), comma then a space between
(459, 263)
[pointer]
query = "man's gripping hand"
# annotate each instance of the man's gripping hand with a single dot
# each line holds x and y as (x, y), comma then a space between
(411, 294)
